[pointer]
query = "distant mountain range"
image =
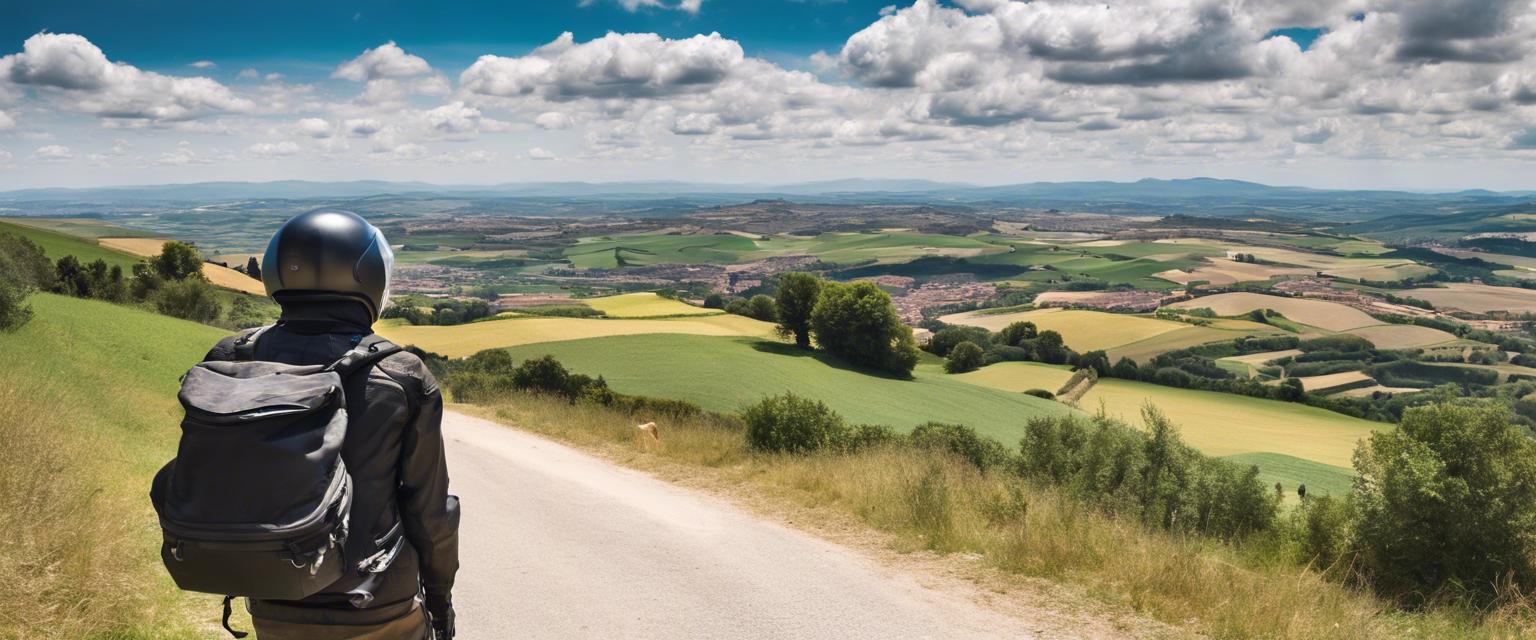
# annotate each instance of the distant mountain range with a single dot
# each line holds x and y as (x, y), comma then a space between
(1197, 196)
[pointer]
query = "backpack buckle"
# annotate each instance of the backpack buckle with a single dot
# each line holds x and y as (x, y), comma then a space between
(176, 551)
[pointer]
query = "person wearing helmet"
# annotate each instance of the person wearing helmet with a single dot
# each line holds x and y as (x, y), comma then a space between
(330, 271)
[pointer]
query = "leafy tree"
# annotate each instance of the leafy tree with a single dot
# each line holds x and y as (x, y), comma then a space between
(947, 338)
(190, 299)
(966, 356)
(714, 301)
(1016, 333)
(23, 263)
(797, 296)
(1049, 347)
(858, 323)
(792, 424)
(253, 268)
(1096, 360)
(177, 261)
(1125, 369)
(738, 307)
(763, 308)
(72, 278)
(1290, 390)
(14, 311)
(1448, 501)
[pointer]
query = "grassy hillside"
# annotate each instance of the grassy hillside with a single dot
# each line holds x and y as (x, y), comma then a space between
(90, 415)
(723, 374)
(58, 245)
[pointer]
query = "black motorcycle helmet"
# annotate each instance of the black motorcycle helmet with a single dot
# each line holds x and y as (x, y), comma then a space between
(329, 255)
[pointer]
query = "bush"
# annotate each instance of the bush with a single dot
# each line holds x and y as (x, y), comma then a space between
(190, 299)
(966, 356)
(14, 311)
(1040, 393)
(1448, 502)
(1016, 333)
(1326, 530)
(949, 337)
(866, 436)
(1339, 342)
(963, 441)
(792, 424)
(762, 308)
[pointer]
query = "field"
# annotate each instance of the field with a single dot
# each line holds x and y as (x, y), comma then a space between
(1220, 271)
(724, 374)
(219, 276)
(609, 252)
(1210, 421)
(101, 378)
(1402, 336)
(79, 227)
(1479, 298)
(644, 305)
(1082, 330)
(57, 245)
(1329, 381)
(469, 339)
(1019, 376)
(1317, 313)
(1321, 479)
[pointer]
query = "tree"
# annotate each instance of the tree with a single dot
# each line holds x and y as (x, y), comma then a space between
(1096, 360)
(1050, 348)
(949, 337)
(966, 356)
(797, 295)
(1125, 369)
(253, 268)
(1016, 333)
(1448, 499)
(190, 299)
(858, 323)
(23, 269)
(714, 301)
(763, 308)
(177, 261)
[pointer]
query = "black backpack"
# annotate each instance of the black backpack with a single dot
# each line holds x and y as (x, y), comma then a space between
(257, 499)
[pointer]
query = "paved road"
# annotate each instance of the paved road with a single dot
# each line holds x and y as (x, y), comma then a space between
(560, 544)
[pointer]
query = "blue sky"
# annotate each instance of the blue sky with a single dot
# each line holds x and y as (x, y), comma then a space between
(1333, 93)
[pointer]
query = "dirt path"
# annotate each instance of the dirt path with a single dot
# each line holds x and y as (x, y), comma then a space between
(560, 544)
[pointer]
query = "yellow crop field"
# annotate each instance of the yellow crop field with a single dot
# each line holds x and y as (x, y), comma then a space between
(137, 246)
(1265, 357)
(1222, 271)
(1479, 298)
(467, 339)
(641, 305)
(1019, 376)
(219, 276)
(1224, 424)
(1082, 330)
(1318, 313)
(1402, 336)
(1319, 383)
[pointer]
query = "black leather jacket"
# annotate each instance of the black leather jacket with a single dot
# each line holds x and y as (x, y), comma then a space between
(394, 452)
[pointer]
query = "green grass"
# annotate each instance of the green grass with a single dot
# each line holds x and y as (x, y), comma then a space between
(644, 305)
(1289, 471)
(57, 245)
(726, 248)
(102, 379)
(724, 374)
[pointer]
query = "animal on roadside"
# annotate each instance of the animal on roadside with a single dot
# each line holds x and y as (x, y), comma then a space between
(650, 429)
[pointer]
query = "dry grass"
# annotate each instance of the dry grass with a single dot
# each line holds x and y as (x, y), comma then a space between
(1318, 313)
(1082, 330)
(643, 305)
(1479, 298)
(73, 557)
(925, 500)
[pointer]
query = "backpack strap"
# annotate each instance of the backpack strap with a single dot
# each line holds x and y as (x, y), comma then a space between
(225, 619)
(368, 351)
(245, 347)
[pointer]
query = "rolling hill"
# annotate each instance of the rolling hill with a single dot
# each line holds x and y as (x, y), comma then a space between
(725, 373)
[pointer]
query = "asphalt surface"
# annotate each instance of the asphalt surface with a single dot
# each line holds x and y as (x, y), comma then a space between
(556, 543)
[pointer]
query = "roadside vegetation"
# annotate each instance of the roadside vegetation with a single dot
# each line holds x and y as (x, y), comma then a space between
(81, 557)
(1139, 519)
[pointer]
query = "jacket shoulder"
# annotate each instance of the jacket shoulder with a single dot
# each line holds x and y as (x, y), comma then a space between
(408, 370)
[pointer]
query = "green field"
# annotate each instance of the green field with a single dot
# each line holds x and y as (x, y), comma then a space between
(103, 378)
(725, 374)
(1321, 479)
(726, 248)
(58, 245)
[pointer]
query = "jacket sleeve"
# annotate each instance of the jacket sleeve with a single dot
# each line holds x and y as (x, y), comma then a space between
(430, 515)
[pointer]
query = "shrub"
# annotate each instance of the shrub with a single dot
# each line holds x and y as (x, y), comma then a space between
(762, 308)
(949, 337)
(1448, 501)
(1326, 530)
(177, 261)
(865, 436)
(792, 424)
(1016, 333)
(966, 356)
(1339, 342)
(190, 299)
(983, 453)
(1040, 393)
